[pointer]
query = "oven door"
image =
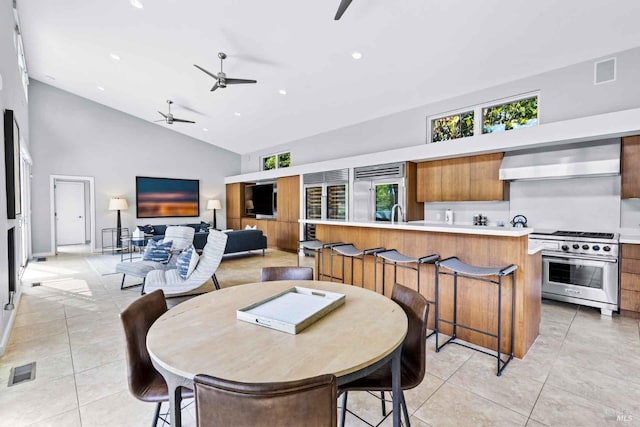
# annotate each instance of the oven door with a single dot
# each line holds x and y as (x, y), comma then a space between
(580, 277)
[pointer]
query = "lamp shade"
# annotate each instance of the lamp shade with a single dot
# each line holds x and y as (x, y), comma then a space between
(213, 204)
(118, 204)
(249, 204)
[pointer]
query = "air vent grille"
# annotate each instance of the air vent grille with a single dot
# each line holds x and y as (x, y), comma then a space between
(339, 175)
(391, 170)
(20, 374)
(605, 71)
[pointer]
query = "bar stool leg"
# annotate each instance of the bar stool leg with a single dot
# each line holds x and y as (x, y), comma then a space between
(352, 271)
(499, 321)
(383, 264)
(513, 308)
(362, 277)
(436, 316)
(375, 273)
(455, 306)
(331, 265)
(343, 269)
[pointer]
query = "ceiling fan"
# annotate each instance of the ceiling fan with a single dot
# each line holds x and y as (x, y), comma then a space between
(344, 4)
(169, 119)
(221, 78)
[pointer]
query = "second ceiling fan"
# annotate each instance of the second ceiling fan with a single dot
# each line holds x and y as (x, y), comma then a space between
(344, 4)
(221, 78)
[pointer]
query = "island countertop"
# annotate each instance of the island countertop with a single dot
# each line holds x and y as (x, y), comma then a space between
(432, 227)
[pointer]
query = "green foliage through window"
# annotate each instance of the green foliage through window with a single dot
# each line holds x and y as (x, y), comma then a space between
(284, 160)
(511, 115)
(452, 127)
(268, 163)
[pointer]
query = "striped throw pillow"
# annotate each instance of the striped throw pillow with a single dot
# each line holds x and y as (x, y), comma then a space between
(187, 262)
(158, 252)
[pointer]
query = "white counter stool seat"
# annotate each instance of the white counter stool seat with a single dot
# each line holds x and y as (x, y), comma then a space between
(347, 250)
(318, 247)
(394, 258)
(491, 275)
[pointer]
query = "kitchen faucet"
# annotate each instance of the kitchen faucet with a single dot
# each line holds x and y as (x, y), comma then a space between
(393, 213)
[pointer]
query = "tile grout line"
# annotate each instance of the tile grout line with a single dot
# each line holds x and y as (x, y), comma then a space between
(564, 338)
(73, 367)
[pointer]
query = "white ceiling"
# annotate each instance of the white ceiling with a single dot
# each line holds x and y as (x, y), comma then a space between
(415, 52)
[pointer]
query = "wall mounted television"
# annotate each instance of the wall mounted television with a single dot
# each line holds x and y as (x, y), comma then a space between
(167, 197)
(264, 199)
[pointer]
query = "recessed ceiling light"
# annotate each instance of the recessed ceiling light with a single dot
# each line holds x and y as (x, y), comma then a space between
(205, 129)
(236, 114)
(115, 56)
(356, 55)
(100, 88)
(50, 77)
(137, 4)
(282, 92)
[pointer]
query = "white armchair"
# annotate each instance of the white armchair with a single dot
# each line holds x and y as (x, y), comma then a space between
(171, 282)
(181, 238)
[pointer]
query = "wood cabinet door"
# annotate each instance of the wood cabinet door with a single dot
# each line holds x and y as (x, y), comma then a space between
(456, 179)
(485, 184)
(287, 236)
(234, 200)
(630, 167)
(234, 223)
(289, 198)
(429, 185)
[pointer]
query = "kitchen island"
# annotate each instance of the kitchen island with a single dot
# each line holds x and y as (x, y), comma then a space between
(476, 245)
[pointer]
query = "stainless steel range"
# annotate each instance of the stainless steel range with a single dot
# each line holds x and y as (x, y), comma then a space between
(580, 267)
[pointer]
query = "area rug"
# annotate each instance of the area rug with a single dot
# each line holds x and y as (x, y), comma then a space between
(104, 264)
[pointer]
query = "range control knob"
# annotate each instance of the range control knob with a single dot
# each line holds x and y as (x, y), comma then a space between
(576, 246)
(595, 247)
(585, 247)
(565, 248)
(606, 249)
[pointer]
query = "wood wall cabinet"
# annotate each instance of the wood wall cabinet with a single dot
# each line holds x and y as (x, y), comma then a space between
(287, 228)
(630, 158)
(630, 281)
(473, 178)
(235, 204)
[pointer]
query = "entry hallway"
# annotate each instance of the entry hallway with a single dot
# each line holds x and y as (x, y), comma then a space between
(583, 370)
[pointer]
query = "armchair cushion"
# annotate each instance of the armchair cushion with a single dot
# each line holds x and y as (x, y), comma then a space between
(187, 262)
(157, 252)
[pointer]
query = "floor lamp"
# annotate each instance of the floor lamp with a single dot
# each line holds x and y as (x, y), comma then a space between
(212, 205)
(118, 204)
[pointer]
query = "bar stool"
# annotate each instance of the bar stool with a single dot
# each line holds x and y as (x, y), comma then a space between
(460, 269)
(318, 247)
(396, 259)
(347, 250)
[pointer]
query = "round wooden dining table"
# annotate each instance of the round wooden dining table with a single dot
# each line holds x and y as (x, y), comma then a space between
(203, 336)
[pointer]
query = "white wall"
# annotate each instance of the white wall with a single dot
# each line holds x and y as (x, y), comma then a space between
(12, 98)
(74, 136)
(564, 94)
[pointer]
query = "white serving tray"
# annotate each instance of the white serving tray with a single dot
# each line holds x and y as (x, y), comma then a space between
(292, 310)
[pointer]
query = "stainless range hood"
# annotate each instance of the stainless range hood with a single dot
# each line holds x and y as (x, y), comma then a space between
(598, 158)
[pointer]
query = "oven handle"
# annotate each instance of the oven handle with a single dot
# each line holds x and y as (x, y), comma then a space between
(587, 257)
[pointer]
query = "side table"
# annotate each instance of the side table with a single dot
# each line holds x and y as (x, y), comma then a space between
(110, 239)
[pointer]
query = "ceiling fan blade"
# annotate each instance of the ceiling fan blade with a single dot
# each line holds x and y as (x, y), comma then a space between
(162, 114)
(231, 81)
(205, 71)
(182, 120)
(157, 121)
(344, 4)
(215, 86)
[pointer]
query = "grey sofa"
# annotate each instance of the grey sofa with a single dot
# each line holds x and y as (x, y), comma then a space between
(237, 241)
(245, 240)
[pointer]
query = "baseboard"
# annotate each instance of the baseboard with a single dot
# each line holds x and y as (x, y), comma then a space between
(7, 330)
(42, 254)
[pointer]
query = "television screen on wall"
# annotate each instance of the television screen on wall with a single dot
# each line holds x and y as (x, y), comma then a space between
(167, 197)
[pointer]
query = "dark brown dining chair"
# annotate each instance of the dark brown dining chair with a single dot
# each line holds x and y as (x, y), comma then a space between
(145, 383)
(310, 402)
(413, 363)
(270, 274)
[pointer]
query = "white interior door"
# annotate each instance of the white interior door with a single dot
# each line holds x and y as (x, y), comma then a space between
(70, 209)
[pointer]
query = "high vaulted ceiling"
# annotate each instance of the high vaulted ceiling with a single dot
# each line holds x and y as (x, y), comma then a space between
(414, 52)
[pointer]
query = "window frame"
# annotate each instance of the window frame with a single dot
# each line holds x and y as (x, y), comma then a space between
(277, 162)
(478, 118)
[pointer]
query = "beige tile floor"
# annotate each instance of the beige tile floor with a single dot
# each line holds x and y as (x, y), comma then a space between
(583, 370)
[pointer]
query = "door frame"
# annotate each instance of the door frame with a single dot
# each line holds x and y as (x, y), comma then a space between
(52, 207)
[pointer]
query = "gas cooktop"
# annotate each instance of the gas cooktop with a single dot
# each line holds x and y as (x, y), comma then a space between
(578, 242)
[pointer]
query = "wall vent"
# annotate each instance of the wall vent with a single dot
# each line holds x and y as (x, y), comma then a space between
(604, 71)
(339, 175)
(391, 170)
(21, 374)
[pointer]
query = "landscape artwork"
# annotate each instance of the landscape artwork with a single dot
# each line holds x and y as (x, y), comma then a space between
(167, 197)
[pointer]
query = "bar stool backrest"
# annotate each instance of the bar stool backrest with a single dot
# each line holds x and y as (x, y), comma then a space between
(416, 308)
